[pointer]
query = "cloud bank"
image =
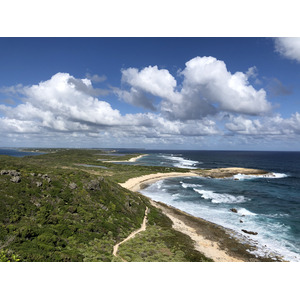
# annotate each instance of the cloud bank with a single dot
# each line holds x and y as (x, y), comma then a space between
(203, 100)
(207, 88)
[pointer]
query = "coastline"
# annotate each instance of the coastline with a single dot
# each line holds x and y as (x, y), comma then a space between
(214, 241)
(137, 183)
(133, 159)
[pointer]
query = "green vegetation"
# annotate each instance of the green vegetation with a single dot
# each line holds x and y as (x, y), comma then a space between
(160, 243)
(60, 211)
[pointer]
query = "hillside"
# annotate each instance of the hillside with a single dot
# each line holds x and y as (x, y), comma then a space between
(52, 208)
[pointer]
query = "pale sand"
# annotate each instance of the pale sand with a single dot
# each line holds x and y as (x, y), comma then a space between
(133, 159)
(135, 184)
(206, 246)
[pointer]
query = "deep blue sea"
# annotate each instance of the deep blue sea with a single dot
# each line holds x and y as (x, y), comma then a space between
(269, 206)
(16, 152)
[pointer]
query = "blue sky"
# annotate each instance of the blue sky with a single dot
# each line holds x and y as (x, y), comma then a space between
(155, 93)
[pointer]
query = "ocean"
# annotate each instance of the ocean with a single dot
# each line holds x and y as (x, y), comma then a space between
(17, 152)
(269, 206)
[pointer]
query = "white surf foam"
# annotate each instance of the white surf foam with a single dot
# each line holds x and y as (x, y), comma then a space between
(272, 238)
(191, 185)
(245, 212)
(240, 176)
(180, 162)
(220, 198)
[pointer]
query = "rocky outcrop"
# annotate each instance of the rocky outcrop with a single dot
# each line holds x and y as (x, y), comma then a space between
(73, 186)
(93, 185)
(46, 177)
(233, 210)
(15, 179)
(229, 172)
(15, 175)
(249, 232)
(10, 172)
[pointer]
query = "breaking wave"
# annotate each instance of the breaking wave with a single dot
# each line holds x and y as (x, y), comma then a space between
(268, 175)
(180, 162)
(221, 198)
(190, 185)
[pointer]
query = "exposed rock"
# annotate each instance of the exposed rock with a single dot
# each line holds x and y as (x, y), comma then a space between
(32, 174)
(93, 185)
(73, 186)
(15, 179)
(241, 221)
(229, 172)
(46, 177)
(10, 172)
(39, 184)
(249, 232)
(14, 173)
(234, 210)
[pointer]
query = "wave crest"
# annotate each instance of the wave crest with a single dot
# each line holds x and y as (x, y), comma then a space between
(221, 198)
(180, 162)
(240, 176)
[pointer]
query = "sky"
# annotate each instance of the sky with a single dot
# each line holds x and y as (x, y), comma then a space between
(202, 93)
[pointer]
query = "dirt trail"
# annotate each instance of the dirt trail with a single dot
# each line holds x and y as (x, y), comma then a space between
(132, 235)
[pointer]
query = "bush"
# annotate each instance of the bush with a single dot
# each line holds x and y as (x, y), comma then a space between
(8, 256)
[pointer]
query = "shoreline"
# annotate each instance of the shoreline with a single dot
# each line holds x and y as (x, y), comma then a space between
(213, 240)
(133, 159)
(137, 183)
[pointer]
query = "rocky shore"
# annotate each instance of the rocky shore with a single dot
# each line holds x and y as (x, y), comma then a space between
(214, 241)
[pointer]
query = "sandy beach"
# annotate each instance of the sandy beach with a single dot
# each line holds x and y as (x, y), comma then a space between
(133, 159)
(136, 184)
(214, 241)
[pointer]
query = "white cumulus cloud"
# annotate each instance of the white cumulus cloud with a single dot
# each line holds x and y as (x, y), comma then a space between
(209, 79)
(64, 105)
(149, 80)
(208, 102)
(288, 47)
(267, 126)
(207, 88)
